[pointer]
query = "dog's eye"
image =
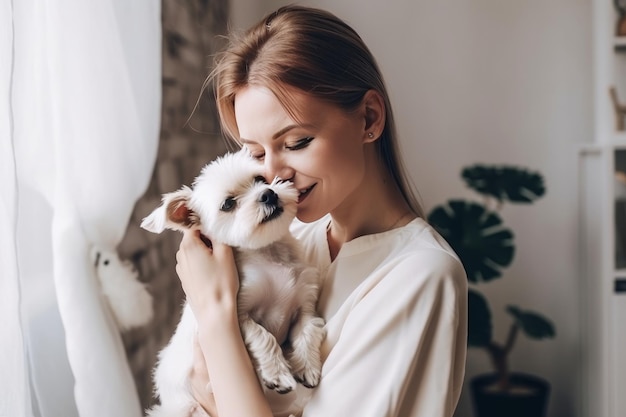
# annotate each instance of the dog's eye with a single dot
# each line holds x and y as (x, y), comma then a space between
(260, 179)
(228, 204)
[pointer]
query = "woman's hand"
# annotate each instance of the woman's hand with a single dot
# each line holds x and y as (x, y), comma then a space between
(209, 277)
(208, 274)
(199, 382)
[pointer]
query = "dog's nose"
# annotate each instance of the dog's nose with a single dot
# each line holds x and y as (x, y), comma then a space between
(268, 197)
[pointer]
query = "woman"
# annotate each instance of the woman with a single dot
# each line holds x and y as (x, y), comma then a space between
(302, 92)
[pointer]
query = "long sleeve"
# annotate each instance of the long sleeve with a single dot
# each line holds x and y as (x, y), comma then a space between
(396, 346)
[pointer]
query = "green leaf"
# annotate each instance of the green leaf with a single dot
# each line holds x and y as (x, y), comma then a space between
(533, 324)
(477, 235)
(479, 328)
(516, 185)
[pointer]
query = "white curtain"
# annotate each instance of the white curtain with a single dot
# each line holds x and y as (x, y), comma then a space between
(14, 392)
(79, 124)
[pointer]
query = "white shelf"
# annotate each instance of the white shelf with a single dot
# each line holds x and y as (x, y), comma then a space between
(602, 234)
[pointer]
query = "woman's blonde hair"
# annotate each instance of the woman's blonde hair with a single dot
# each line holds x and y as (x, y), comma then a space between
(317, 53)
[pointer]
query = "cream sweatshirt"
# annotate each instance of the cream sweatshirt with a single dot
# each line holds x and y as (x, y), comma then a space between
(395, 305)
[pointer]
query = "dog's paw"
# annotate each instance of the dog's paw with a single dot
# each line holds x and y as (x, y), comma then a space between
(306, 366)
(281, 382)
(304, 359)
(309, 376)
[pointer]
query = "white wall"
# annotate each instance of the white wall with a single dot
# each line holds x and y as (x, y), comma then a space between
(497, 82)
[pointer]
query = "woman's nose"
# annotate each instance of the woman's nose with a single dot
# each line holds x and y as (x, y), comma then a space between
(276, 167)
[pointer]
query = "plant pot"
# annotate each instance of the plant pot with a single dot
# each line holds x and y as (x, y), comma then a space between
(528, 396)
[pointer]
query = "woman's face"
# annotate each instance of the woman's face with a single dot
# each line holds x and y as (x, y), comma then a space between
(322, 152)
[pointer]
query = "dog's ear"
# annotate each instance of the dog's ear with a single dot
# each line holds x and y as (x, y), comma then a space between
(173, 213)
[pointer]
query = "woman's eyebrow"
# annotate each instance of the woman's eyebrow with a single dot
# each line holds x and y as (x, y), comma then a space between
(278, 134)
(286, 129)
(283, 131)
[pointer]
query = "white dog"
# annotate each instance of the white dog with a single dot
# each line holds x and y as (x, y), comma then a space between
(231, 203)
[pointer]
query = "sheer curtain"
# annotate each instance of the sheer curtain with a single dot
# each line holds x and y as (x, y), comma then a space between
(79, 125)
(14, 392)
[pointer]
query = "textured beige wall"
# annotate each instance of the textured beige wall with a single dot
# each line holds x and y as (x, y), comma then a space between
(191, 36)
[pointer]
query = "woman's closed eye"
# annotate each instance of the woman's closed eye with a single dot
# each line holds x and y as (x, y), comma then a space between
(256, 153)
(299, 144)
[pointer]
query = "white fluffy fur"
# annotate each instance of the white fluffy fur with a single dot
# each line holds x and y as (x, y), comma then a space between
(129, 299)
(278, 291)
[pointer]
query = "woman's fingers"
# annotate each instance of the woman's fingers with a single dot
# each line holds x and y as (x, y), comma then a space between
(194, 239)
(207, 275)
(221, 251)
(194, 260)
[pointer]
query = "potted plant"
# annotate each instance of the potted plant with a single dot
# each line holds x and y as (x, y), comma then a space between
(486, 246)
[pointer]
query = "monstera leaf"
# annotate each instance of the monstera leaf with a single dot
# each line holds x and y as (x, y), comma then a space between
(477, 235)
(533, 324)
(505, 183)
(479, 329)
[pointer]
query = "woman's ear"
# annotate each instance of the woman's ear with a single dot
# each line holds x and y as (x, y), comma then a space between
(374, 110)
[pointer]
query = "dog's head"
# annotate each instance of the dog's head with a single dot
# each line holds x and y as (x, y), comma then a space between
(231, 203)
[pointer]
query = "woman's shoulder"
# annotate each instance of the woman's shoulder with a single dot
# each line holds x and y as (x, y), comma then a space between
(419, 236)
(416, 245)
(425, 252)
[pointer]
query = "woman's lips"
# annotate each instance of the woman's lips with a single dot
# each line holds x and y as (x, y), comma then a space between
(305, 193)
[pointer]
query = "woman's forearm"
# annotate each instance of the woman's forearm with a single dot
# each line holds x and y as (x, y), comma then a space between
(233, 379)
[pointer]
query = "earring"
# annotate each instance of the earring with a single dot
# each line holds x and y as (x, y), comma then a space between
(370, 135)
